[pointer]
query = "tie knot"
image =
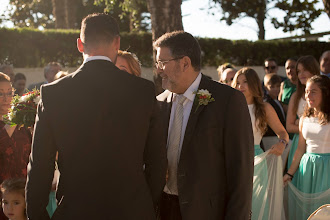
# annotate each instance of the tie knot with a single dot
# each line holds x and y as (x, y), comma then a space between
(181, 99)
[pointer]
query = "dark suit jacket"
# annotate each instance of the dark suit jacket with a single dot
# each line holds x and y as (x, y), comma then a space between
(279, 111)
(104, 123)
(215, 169)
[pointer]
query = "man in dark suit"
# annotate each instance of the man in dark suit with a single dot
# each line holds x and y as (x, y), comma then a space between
(210, 140)
(104, 124)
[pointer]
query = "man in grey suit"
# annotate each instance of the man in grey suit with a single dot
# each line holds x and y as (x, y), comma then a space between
(210, 142)
(104, 124)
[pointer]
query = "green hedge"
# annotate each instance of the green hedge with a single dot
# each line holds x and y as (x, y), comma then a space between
(34, 48)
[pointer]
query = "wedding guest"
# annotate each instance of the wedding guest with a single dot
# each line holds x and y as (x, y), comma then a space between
(13, 199)
(288, 86)
(306, 67)
(128, 62)
(8, 70)
(112, 162)
(272, 83)
(222, 68)
(311, 161)
(262, 114)
(270, 65)
(19, 84)
(227, 76)
(60, 74)
(325, 63)
(206, 165)
(15, 143)
(49, 73)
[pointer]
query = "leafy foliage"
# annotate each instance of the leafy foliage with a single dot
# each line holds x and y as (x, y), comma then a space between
(33, 48)
(299, 13)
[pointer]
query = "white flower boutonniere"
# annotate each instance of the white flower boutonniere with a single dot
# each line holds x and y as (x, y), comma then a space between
(203, 97)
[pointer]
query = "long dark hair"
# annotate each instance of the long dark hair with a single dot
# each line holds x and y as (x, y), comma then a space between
(323, 82)
(309, 63)
(254, 84)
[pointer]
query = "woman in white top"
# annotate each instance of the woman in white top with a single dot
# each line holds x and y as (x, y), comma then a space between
(306, 67)
(262, 114)
(311, 161)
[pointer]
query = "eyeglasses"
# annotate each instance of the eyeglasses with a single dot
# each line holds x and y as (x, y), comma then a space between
(270, 67)
(161, 63)
(8, 94)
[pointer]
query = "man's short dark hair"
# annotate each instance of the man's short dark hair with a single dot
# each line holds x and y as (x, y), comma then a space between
(19, 76)
(181, 44)
(98, 28)
(271, 59)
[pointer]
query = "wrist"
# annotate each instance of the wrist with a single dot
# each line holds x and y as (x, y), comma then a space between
(291, 176)
(284, 142)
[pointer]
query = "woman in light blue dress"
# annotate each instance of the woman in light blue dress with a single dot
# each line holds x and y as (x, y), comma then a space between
(306, 67)
(262, 114)
(311, 162)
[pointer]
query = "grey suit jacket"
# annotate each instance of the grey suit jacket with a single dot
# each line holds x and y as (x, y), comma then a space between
(215, 169)
(104, 124)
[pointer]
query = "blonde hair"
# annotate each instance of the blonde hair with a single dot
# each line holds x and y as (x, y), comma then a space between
(132, 61)
(60, 75)
(4, 77)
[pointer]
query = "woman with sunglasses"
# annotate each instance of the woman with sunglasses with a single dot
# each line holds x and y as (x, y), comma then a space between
(306, 67)
(15, 143)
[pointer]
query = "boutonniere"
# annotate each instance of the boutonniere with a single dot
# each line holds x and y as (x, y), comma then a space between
(203, 97)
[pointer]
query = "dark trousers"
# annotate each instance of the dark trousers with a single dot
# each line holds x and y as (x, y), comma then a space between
(169, 207)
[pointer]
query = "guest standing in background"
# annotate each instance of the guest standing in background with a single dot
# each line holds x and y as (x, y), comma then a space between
(19, 84)
(325, 63)
(15, 143)
(288, 86)
(306, 67)
(49, 73)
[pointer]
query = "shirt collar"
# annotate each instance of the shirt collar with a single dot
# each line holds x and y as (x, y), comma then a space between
(189, 93)
(97, 58)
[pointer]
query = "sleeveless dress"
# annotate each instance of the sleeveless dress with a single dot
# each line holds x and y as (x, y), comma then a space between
(294, 145)
(288, 89)
(313, 175)
(260, 207)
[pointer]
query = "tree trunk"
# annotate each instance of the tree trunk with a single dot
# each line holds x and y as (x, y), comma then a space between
(261, 16)
(165, 17)
(59, 13)
(71, 7)
(327, 7)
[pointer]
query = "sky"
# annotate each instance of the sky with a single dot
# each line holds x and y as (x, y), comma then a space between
(198, 20)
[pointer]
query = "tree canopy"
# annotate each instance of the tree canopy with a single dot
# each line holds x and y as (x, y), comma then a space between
(299, 13)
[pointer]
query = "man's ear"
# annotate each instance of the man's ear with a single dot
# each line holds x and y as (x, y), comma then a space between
(116, 43)
(80, 45)
(186, 63)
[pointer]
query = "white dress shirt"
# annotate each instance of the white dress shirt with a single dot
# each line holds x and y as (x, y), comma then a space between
(187, 105)
(96, 58)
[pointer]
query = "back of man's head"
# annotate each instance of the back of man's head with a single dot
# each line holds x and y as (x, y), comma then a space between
(98, 29)
(181, 44)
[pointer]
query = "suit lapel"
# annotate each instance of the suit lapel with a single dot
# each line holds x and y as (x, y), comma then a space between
(166, 106)
(193, 117)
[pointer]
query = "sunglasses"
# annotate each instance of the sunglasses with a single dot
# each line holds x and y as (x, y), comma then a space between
(270, 67)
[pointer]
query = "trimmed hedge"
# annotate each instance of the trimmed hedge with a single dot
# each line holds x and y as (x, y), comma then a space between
(35, 48)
